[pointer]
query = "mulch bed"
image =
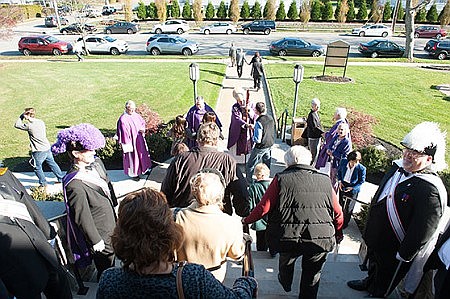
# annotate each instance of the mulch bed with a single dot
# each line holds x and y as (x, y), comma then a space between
(332, 79)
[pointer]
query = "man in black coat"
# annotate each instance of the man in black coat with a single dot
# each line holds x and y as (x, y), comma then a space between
(314, 130)
(28, 264)
(406, 214)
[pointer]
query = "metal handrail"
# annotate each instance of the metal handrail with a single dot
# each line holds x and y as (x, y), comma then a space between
(282, 127)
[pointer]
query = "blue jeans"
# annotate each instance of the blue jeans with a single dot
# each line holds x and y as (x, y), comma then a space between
(47, 156)
(257, 155)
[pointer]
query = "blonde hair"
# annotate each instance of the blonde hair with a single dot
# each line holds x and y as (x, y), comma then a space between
(262, 171)
(207, 189)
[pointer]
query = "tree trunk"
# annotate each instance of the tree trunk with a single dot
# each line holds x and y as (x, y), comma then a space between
(409, 26)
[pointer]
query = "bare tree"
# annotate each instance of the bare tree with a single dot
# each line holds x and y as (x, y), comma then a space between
(197, 9)
(305, 12)
(9, 16)
(127, 10)
(342, 17)
(411, 9)
(271, 11)
(161, 9)
(234, 11)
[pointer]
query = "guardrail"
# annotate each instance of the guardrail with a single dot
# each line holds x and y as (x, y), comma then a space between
(281, 127)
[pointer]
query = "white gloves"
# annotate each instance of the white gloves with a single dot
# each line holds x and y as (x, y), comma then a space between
(100, 246)
(247, 238)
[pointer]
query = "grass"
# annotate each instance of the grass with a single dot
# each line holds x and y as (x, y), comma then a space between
(68, 93)
(398, 97)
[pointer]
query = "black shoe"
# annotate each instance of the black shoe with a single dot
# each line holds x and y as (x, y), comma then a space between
(136, 178)
(359, 285)
(286, 288)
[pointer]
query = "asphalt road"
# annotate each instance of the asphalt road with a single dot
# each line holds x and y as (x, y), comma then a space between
(209, 44)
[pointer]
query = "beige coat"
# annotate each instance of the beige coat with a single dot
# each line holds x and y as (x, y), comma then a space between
(210, 237)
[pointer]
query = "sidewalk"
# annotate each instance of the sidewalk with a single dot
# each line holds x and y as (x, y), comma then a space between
(339, 268)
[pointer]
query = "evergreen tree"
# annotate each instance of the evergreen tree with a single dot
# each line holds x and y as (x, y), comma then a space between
(269, 10)
(292, 12)
(175, 9)
(316, 13)
(281, 12)
(222, 11)
(351, 11)
(432, 14)
(209, 12)
(387, 12)
(233, 12)
(421, 15)
(401, 13)
(337, 11)
(141, 10)
(256, 11)
(151, 10)
(444, 16)
(187, 10)
(245, 10)
(327, 11)
(362, 12)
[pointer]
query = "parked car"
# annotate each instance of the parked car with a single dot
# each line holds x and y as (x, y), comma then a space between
(105, 44)
(439, 49)
(93, 13)
(381, 48)
(178, 26)
(43, 44)
(220, 27)
(372, 30)
(51, 21)
(122, 27)
(168, 44)
(108, 10)
(295, 46)
(430, 32)
(265, 26)
(77, 28)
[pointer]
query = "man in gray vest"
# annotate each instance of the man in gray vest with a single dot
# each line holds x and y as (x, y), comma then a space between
(304, 219)
(263, 139)
(232, 53)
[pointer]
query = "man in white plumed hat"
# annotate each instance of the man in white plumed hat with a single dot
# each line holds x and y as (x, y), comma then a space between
(407, 213)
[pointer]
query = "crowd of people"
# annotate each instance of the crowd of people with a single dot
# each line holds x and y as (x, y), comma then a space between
(175, 242)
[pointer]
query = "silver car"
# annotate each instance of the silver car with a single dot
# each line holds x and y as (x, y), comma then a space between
(220, 27)
(168, 44)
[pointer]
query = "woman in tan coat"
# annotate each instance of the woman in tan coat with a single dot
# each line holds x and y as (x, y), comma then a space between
(210, 235)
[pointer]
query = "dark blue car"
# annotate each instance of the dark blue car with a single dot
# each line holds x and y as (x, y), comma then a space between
(381, 48)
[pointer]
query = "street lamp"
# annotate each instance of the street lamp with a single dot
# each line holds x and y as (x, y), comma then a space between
(194, 74)
(297, 77)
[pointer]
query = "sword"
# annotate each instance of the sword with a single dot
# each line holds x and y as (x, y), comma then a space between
(393, 278)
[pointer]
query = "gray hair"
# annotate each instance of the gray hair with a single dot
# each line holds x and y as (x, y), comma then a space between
(208, 134)
(130, 103)
(341, 112)
(297, 155)
(316, 102)
(207, 189)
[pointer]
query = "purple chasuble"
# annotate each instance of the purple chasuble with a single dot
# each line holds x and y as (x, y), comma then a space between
(136, 161)
(194, 119)
(323, 157)
(238, 135)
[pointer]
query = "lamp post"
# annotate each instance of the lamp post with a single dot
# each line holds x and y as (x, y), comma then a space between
(194, 74)
(297, 77)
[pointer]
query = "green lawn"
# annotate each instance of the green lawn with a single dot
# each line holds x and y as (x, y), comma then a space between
(68, 93)
(398, 97)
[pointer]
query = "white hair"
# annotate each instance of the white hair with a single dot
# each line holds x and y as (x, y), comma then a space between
(316, 102)
(426, 137)
(130, 103)
(207, 189)
(297, 155)
(341, 112)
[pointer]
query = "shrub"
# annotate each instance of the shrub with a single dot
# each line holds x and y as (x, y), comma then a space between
(245, 10)
(151, 11)
(281, 12)
(292, 12)
(111, 152)
(151, 118)
(361, 217)
(361, 128)
(256, 11)
(141, 11)
(376, 160)
(39, 194)
(209, 13)
(159, 144)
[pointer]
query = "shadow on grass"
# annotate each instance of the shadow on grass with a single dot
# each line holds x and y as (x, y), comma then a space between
(446, 99)
(276, 78)
(213, 83)
(213, 72)
(18, 163)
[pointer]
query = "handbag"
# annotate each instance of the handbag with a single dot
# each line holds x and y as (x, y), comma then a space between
(179, 281)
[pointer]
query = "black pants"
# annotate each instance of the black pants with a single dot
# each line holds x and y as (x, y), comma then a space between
(239, 70)
(312, 264)
(442, 283)
(347, 202)
(261, 241)
(104, 260)
(256, 81)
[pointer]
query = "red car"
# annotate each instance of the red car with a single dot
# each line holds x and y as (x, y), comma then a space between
(43, 44)
(430, 32)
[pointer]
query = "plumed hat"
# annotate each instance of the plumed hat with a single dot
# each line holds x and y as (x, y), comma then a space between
(427, 138)
(82, 136)
(238, 93)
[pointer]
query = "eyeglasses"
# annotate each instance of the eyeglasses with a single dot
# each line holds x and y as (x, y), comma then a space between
(413, 153)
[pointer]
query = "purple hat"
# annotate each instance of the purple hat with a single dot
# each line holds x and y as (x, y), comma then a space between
(82, 136)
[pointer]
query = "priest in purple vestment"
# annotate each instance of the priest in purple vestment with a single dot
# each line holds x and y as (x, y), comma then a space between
(242, 119)
(131, 135)
(194, 119)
